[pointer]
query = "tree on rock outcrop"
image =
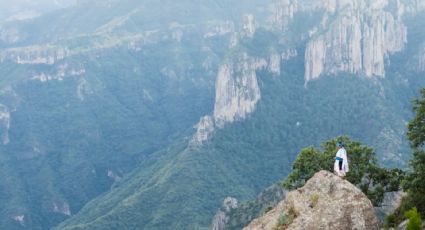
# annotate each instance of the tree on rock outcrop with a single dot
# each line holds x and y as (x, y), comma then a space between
(365, 173)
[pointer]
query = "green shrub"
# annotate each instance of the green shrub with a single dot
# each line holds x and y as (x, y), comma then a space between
(283, 220)
(268, 209)
(391, 221)
(415, 222)
(286, 219)
(314, 199)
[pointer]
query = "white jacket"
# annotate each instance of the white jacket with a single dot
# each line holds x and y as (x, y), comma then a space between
(341, 154)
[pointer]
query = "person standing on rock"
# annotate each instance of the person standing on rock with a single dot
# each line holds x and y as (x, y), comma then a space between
(341, 161)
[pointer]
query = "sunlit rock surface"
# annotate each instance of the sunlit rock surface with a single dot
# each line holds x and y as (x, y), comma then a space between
(325, 202)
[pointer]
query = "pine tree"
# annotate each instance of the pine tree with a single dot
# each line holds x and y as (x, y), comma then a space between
(415, 182)
(415, 221)
(416, 127)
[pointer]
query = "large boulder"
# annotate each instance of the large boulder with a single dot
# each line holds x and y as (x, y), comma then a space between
(325, 202)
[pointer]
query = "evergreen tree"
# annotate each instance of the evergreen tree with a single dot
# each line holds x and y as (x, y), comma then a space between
(364, 172)
(416, 127)
(415, 182)
(415, 221)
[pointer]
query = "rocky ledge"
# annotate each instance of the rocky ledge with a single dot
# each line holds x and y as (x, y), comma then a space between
(325, 202)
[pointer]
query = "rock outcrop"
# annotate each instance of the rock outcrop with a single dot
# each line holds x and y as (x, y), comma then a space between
(237, 93)
(282, 13)
(231, 216)
(45, 54)
(420, 59)
(274, 63)
(350, 36)
(203, 130)
(221, 218)
(62, 207)
(358, 41)
(237, 90)
(62, 71)
(248, 25)
(219, 29)
(324, 202)
(346, 36)
(391, 201)
(4, 124)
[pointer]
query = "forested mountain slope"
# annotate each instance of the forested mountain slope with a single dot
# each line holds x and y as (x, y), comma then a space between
(197, 101)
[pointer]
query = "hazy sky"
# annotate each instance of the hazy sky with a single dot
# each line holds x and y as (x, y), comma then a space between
(21, 9)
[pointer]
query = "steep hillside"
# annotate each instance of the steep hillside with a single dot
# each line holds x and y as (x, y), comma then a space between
(75, 119)
(265, 111)
(236, 215)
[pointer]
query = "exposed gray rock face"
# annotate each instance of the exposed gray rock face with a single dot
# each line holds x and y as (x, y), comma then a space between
(20, 219)
(35, 55)
(420, 59)
(84, 89)
(62, 72)
(411, 6)
(289, 53)
(390, 203)
(4, 124)
(358, 41)
(282, 13)
(237, 90)
(351, 36)
(237, 93)
(204, 129)
(249, 25)
(62, 207)
(231, 217)
(403, 225)
(324, 202)
(219, 29)
(314, 59)
(274, 63)
(221, 219)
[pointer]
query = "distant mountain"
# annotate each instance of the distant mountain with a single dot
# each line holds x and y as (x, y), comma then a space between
(24, 9)
(134, 114)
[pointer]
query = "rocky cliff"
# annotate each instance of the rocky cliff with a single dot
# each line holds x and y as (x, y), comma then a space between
(4, 124)
(390, 203)
(35, 54)
(236, 92)
(420, 59)
(221, 219)
(325, 202)
(358, 41)
(348, 36)
(234, 215)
